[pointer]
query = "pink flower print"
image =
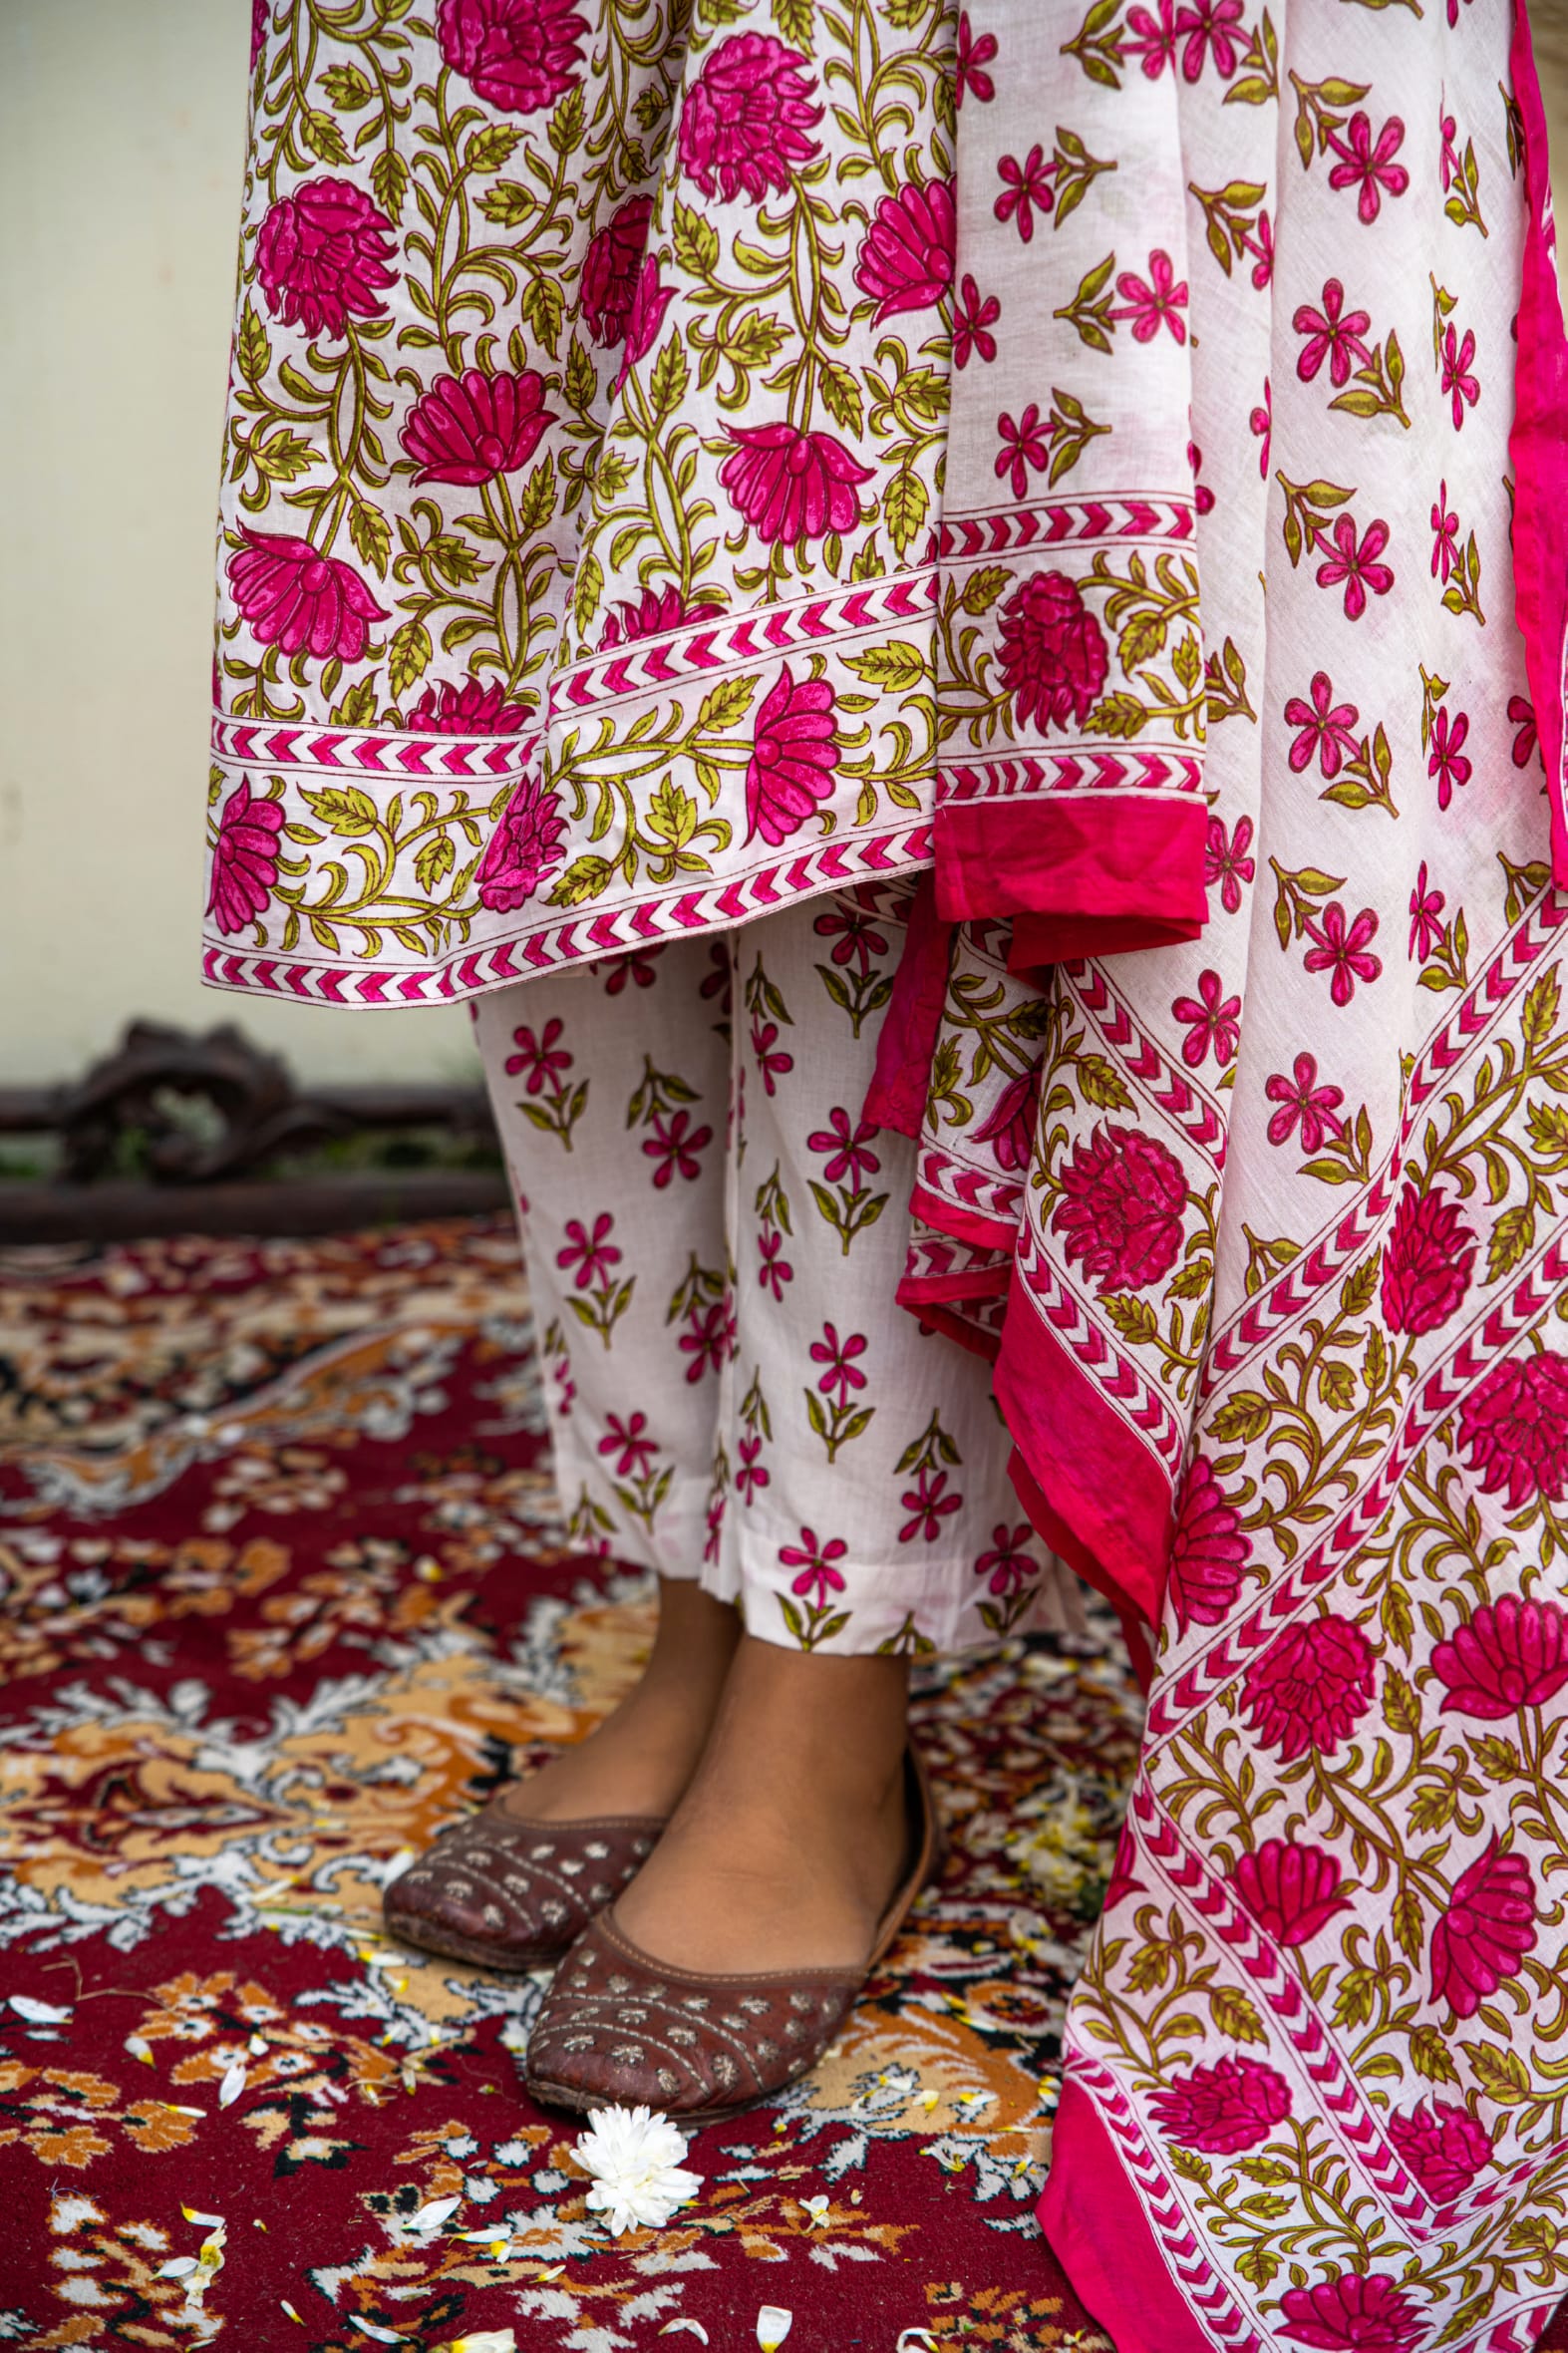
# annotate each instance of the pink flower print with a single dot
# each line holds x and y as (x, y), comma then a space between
(930, 1503)
(1309, 1688)
(1123, 1200)
(1333, 334)
(1486, 1932)
(540, 1057)
(634, 1453)
(1053, 651)
(847, 1148)
(1010, 1124)
(775, 1269)
(1507, 1655)
(1222, 2109)
(841, 1374)
(1260, 424)
(1207, 1553)
(748, 120)
(855, 937)
(1357, 565)
(1202, 494)
(750, 1474)
(1444, 2145)
(1261, 245)
(708, 1339)
(790, 484)
(1154, 302)
(634, 969)
(244, 858)
(471, 428)
(815, 1563)
(1367, 168)
(1026, 186)
(1461, 385)
(524, 849)
(1444, 525)
(1427, 1261)
(1514, 1429)
(323, 252)
(1522, 712)
(1153, 40)
(973, 57)
(1447, 763)
(1290, 1891)
(587, 1256)
(971, 324)
(1425, 918)
(610, 269)
(1353, 2315)
(1344, 952)
(718, 981)
(1326, 728)
(521, 55)
(650, 301)
(474, 708)
(655, 611)
(1023, 446)
(1448, 135)
(261, 10)
(794, 758)
(1226, 863)
(1212, 1021)
(769, 1057)
(1300, 1098)
(905, 260)
(1211, 24)
(300, 601)
(675, 1144)
(1009, 1566)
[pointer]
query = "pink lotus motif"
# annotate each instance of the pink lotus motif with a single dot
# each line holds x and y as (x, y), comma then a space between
(1355, 2313)
(1514, 1429)
(905, 260)
(1124, 1197)
(1507, 1655)
(794, 758)
(1208, 1551)
(1011, 1126)
(747, 119)
(524, 849)
(1053, 651)
(474, 708)
(791, 485)
(1444, 2145)
(323, 253)
(244, 858)
(656, 610)
(468, 429)
(521, 55)
(1428, 1262)
(1290, 1891)
(1232, 2104)
(610, 267)
(1486, 1932)
(301, 601)
(1310, 1687)
(650, 301)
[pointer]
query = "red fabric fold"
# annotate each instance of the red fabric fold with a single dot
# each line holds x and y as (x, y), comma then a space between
(1083, 878)
(896, 1097)
(1090, 2215)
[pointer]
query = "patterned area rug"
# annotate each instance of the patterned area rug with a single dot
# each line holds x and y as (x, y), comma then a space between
(284, 1591)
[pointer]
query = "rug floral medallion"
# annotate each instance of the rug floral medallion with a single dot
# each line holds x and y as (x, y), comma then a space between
(284, 1590)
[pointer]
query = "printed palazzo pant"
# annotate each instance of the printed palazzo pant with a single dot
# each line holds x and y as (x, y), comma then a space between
(715, 1237)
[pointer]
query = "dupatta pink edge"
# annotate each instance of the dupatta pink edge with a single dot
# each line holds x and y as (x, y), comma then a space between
(1090, 2215)
(1538, 445)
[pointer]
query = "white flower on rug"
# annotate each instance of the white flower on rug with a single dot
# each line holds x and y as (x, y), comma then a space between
(634, 2157)
(774, 2324)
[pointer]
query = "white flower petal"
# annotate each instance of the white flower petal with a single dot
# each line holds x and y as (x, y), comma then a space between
(139, 2048)
(432, 2217)
(383, 2336)
(39, 2013)
(774, 2324)
(289, 2309)
(694, 2327)
(256, 2047)
(486, 2340)
(233, 2084)
(193, 2213)
(632, 2155)
(180, 2268)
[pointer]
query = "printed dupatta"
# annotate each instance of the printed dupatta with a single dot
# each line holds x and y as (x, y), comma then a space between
(1266, 1223)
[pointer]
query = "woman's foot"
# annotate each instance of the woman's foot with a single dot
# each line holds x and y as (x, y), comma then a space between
(794, 1833)
(639, 1760)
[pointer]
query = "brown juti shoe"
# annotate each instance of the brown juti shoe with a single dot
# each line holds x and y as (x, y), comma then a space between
(618, 2026)
(515, 1894)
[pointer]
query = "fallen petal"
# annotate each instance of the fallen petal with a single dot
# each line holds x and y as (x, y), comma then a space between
(139, 2048)
(432, 2217)
(192, 2215)
(383, 2336)
(39, 2013)
(695, 2329)
(180, 2268)
(774, 2324)
(233, 2084)
(486, 2340)
(289, 2309)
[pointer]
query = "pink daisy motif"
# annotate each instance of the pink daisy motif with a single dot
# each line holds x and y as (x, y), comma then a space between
(1458, 383)
(1342, 950)
(1444, 528)
(1448, 761)
(1154, 302)
(1302, 1100)
(1332, 333)
(1154, 37)
(1326, 728)
(1212, 1020)
(1355, 563)
(1210, 25)
(1026, 189)
(973, 321)
(1369, 166)
(815, 1563)
(972, 59)
(1023, 445)
(1225, 860)
(1425, 918)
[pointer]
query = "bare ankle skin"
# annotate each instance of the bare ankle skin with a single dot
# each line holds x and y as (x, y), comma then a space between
(641, 1758)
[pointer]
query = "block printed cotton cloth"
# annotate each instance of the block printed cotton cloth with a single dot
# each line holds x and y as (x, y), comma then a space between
(714, 1236)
